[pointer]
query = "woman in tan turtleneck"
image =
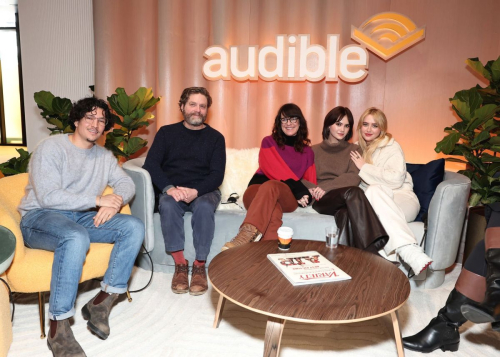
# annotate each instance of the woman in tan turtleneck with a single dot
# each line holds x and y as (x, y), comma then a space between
(337, 192)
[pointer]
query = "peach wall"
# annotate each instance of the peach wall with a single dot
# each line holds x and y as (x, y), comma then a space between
(160, 44)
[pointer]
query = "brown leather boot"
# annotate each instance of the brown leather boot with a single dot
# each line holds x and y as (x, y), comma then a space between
(247, 234)
(98, 315)
(180, 282)
(62, 342)
(199, 284)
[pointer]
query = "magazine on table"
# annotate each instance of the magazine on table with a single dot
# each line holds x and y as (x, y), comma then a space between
(307, 268)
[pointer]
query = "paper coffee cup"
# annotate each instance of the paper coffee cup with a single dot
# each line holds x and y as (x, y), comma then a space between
(285, 235)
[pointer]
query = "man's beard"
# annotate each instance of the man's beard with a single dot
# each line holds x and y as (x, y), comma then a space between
(198, 121)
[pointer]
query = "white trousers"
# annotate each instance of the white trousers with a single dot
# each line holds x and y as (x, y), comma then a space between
(394, 209)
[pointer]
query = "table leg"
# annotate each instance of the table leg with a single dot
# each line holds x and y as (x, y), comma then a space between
(218, 312)
(397, 334)
(272, 340)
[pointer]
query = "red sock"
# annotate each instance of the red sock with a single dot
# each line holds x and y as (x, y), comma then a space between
(199, 263)
(178, 257)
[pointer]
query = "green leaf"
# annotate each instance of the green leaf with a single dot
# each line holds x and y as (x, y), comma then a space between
(452, 159)
(127, 120)
(44, 100)
(448, 143)
(474, 199)
(482, 136)
(459, 126)
(490, 158)
(116, 119)
(466, 102)
(62, 106)
(56, 122)
(23, 154)
(477, 66)
(490, 125)
(462, 109)
(134, 145)
(113, 139)
(495, 70)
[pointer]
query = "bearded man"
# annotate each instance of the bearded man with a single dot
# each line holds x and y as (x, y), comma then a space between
(187, 162)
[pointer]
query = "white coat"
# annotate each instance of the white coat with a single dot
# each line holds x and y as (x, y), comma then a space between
(389, 188)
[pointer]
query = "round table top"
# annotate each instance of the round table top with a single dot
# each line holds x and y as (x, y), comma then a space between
(245, 276)
(7, 248)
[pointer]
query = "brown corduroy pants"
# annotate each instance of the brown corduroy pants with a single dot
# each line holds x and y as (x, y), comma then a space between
(265, 205)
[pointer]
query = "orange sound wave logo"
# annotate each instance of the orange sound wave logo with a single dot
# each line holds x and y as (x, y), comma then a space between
(387, 34)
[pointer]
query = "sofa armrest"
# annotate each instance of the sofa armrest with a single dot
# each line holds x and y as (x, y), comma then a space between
(446, 217)
(142, 204)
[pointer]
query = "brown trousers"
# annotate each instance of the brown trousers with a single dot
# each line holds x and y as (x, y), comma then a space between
(265, 205)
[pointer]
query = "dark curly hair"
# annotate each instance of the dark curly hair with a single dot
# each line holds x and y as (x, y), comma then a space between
(335, 115)
(291, 110)
(194, 90)
(88, 105)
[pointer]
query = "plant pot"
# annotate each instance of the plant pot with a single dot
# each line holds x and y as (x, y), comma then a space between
(476, 226)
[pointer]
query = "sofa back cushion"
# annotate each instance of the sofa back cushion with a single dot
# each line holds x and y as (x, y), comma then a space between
(426, 178)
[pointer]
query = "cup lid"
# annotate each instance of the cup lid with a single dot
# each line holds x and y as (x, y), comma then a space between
(285, 232)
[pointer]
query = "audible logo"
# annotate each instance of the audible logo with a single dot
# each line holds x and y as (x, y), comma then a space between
(388, 34)
(293, 58)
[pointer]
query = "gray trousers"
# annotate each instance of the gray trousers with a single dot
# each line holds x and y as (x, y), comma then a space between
(202, 222)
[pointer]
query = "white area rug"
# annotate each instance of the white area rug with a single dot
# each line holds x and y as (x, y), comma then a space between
(160, 323)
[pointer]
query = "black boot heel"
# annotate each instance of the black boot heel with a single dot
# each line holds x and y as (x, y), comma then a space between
(451, 347)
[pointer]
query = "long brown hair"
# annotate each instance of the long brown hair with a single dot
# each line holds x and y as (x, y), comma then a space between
(291, 110)
(381, 120)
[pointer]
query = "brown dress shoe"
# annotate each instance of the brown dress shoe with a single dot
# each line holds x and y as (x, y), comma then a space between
(180, 283)
(98, 315)
(247, 234)
(199, 285)
(64, 344)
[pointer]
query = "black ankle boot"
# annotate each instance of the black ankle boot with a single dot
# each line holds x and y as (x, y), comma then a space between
(489, 309)
(442, 331)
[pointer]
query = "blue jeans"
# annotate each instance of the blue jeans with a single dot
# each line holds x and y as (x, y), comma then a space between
(202, 222)
(68, 234)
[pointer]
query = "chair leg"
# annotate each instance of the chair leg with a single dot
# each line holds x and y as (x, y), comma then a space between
(128, 296)
(41, 308)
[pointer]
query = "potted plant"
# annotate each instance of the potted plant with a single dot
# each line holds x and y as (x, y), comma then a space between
(55, 110)
(132, 115)
(474, 136)
(16, 165)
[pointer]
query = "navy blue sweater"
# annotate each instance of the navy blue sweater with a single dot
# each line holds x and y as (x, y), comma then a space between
(188, 158)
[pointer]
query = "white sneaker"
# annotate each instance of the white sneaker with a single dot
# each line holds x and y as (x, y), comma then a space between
(414, 256)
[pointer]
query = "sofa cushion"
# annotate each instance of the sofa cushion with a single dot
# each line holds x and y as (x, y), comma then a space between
(426, 177)
(241, 165)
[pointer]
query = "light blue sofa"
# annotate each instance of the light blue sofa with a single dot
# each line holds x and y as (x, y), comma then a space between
(446, 218)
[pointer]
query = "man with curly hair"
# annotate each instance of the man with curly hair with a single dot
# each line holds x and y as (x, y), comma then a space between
(64, 210)
(186, 163)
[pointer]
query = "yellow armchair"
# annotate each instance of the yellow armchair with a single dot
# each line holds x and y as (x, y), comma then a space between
(30, 271)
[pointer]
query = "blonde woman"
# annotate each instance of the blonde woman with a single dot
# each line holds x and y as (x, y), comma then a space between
(388, 187)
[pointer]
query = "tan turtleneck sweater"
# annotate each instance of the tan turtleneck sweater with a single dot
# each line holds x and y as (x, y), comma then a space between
(334, 167)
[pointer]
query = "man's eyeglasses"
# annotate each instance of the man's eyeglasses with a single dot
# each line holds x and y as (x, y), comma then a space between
(100, 121)
(292, 120)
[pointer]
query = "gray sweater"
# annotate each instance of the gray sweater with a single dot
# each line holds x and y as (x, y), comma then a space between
(65, 177)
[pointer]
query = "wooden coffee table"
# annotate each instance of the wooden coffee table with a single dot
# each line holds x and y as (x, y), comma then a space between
(245, 276)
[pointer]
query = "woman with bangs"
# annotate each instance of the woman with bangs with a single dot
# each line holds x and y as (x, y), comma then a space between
(337, 192)
(286, 162)
(389, 188)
